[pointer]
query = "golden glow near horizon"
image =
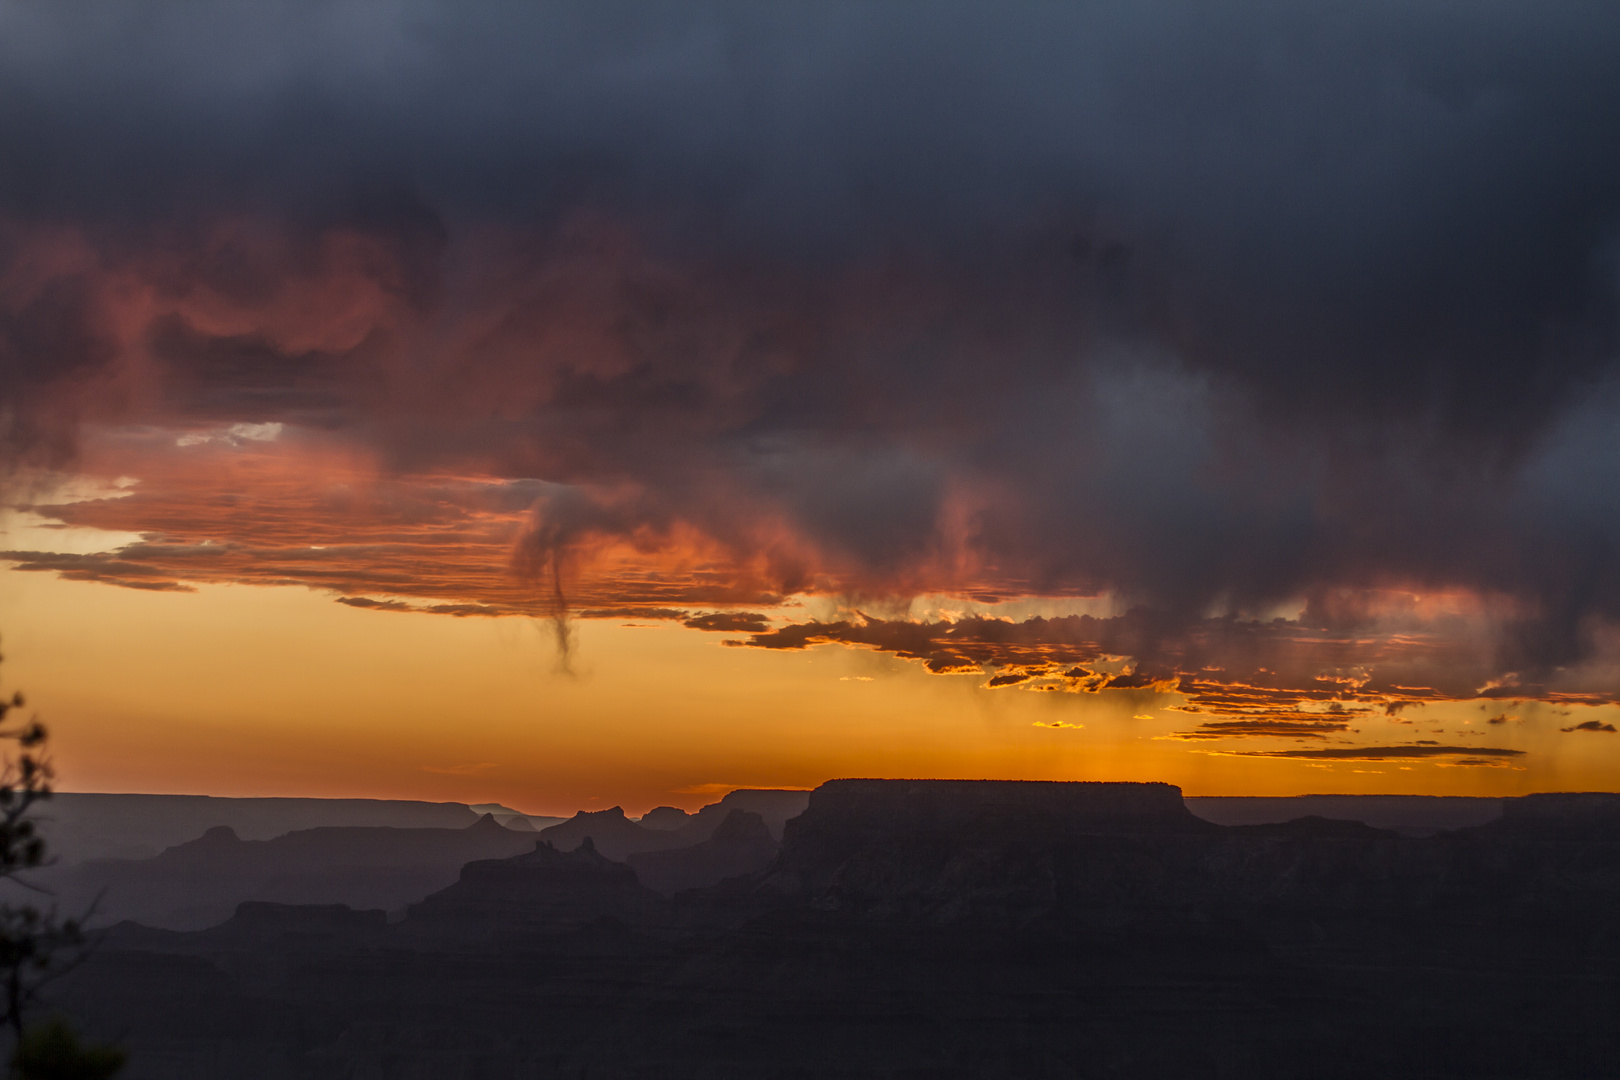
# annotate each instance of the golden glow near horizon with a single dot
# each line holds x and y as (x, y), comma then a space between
(252, 690)
(1032, 467)
(154, 638)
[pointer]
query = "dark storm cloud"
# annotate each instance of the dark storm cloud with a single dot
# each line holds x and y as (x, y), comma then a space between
(743, 622)
(1210, 306)
(1279, 727)
(1010, 679)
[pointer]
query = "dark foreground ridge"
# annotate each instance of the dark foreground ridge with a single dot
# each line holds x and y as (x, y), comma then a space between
(927, 929)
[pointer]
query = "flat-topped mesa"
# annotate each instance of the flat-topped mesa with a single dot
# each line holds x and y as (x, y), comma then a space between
(931, 805)
(943, 851)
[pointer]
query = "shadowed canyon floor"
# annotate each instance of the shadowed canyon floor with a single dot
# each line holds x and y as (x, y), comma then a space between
(924, 929)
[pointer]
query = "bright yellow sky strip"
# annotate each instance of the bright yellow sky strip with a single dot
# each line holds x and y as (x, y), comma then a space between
(241, 690)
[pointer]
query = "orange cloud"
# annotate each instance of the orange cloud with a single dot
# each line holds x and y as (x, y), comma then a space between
(1244, 680)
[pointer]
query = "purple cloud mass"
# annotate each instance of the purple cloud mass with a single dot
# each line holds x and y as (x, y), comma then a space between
(1209, 308)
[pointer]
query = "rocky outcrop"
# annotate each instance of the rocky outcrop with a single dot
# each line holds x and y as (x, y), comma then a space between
(949, 804)
(1018, 854)
(618, 837)
(775, 806)
(612, 834)
(546, 891)
(664, 818)
(515, 820)
(200, 883)
(741, 845)
(942, 851)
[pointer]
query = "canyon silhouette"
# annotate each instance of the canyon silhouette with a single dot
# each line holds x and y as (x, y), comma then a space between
(810, 538)
(906, 928)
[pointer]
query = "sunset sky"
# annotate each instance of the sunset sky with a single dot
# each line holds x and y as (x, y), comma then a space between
(571, 404)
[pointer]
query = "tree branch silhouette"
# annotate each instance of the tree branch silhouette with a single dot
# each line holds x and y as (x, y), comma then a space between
(36, 945)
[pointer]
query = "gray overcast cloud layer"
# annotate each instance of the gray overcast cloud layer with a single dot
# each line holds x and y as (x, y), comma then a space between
(1221, 304)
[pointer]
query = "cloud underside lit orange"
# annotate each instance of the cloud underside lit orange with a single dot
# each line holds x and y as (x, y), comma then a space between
(1274, 680)
(981, 378)
(304, 514)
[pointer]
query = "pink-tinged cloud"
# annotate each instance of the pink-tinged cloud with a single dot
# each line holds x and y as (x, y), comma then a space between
(560, 313)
